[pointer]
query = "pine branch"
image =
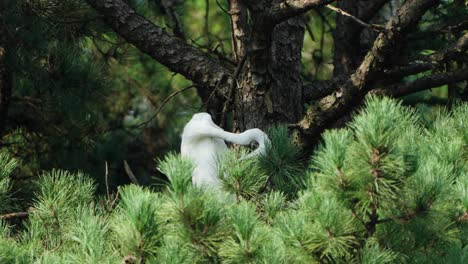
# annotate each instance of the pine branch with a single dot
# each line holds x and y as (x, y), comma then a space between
(320, 89)
(430, 62)
(428, 82)
(74, 21)
(365, 11)
(170, 51)
(445, 28)
(353, 91)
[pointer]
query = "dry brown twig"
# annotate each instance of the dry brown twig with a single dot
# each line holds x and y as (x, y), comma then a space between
(375, 27)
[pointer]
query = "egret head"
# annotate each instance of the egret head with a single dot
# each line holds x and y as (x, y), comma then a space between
(202, 117)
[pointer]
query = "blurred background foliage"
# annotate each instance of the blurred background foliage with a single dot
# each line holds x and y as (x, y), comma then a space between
(83, 98)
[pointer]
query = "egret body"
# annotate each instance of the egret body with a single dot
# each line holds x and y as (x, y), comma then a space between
(203, 142)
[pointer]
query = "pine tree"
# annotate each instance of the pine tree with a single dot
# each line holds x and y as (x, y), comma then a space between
(77, 96)
(386, 189)
(57, 90)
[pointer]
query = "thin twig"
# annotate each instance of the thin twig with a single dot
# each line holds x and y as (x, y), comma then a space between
(110, 206)
(142, 90)
(168, 98)
(234, 85)
(309, 30)
(221, 7)
(208, 99)
(216, 89)
(19, 215)
(206, 27)
(374, 27)
(115, 199)
(106, 175)
(130, 173)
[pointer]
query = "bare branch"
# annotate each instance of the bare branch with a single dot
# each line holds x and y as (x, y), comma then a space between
(19, 215)
(221, 7)
(320, 89)
(164, 102)
(143, 90)
(374, 27)
(352, 92)
(130, 173)
(424, 83)
(170, 51)
(106, 177)
(290, 8)
(432, 61)
(445, 28)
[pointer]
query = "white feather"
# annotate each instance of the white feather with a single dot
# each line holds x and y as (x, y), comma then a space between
(203, 143)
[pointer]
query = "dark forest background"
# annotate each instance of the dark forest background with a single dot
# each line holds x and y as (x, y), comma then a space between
(76, 95)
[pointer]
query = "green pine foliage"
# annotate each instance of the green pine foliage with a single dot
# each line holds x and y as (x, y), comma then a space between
(7, 166)
(59, 85)
(246, 179)
(386, 189)
(283, 163)
(136, 224)
(82, 97)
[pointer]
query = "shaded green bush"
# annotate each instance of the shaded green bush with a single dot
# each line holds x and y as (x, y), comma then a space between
(386, 189)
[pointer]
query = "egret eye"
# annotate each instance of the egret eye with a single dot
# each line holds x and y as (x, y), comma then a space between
(254, 145)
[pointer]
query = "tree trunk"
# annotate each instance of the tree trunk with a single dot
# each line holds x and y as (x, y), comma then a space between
(346, 39)
(350, 42)
(270, 87)
(265, 87)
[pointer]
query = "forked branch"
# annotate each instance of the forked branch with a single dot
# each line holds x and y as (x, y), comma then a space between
(352, 92)
(168, 50)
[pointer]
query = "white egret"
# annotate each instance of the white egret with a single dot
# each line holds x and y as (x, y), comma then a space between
(203, 143)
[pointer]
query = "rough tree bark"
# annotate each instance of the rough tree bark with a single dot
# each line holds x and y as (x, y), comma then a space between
(352, 92)
(197, 66)
(239, 29)
(267, 93)
(265, 87)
